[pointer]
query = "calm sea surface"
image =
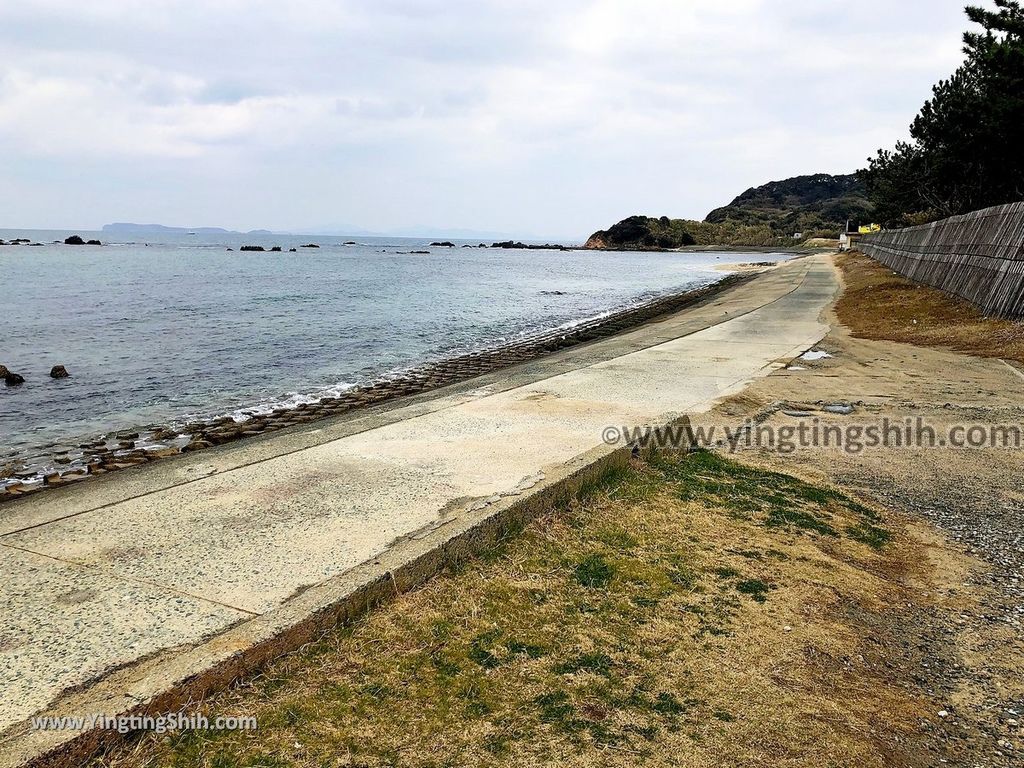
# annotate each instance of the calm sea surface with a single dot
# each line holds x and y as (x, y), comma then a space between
(176, 327)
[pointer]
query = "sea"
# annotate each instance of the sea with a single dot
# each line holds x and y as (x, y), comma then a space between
(171, 328)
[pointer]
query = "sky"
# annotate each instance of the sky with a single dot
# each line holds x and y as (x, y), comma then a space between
(543, 118)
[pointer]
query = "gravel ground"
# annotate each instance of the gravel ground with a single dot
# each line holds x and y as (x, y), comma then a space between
(962, 643)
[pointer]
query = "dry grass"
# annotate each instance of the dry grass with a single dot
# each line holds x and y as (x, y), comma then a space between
(689, 612)
(879, 304)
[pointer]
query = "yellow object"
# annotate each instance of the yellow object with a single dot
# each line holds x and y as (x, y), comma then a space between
(869, 229)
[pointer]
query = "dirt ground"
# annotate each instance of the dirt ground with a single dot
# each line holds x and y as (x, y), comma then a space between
(960, 638)
(757, 607)
(876, 303)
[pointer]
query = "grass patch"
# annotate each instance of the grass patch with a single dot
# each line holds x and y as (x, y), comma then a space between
(598, 663)
(877, 304)
(554, 707)
(776, 499)
(756, 588)
(871, 535)
(594, 572)
(799, 519)
(668, 704)
(618, 631)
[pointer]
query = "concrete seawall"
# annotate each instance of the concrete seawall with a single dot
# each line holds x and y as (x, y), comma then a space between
(978, 256)
(144, 591)
(108, 454)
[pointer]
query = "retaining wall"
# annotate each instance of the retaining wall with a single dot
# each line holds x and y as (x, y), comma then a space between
(978, 256)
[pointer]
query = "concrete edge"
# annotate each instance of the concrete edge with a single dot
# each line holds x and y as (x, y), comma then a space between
(175, 679)
(688, 299)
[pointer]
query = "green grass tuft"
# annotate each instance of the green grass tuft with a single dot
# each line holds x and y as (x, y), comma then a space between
(756, 588)
(594, 572)
(598, 663)
(869, 534)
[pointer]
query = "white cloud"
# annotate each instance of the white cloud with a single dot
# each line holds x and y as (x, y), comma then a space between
(497, 114)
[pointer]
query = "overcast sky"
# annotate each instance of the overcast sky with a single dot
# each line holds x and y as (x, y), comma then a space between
(544, 117)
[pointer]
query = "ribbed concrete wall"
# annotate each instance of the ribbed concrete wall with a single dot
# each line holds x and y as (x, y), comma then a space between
(978, 256)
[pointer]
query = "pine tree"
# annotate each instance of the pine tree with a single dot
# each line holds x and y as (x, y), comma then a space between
(965, 151)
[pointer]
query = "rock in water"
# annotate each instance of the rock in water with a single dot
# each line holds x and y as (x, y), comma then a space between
(94, 242)
(74, 240)
(59, 372)
(3, 371)
(13, 379)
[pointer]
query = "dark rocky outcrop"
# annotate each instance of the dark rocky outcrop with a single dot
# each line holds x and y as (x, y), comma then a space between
(93, 242)
(291, 250)
(276, 249)
(74, 240)
(531, 247)
(442, 244)
(818, 205)
(12, 379)
(252, 248)
(643, 233)
(314, 245)
(59, 372)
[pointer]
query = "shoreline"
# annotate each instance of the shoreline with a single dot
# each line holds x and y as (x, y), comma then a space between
(746, 266)
(304, 528)
(124, 449)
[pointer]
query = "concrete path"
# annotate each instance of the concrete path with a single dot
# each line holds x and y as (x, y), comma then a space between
(100, 575)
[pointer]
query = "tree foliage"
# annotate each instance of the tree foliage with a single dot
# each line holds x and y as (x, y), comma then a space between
(817, 205)
(646, 233)
(965, 151)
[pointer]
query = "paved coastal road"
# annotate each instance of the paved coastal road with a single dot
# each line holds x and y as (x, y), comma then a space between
(100, 575)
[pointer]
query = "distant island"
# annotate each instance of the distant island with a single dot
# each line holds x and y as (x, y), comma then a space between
(122, 227)
(817, 205)
(419, 232)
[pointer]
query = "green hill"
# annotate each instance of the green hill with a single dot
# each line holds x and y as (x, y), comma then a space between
(815, 206)
(803, 203)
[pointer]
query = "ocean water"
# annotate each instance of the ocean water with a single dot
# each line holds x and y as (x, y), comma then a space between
(165, 330)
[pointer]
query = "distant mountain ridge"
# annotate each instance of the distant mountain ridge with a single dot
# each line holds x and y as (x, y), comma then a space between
(417, 232)
(160, 229)
(816, 205)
